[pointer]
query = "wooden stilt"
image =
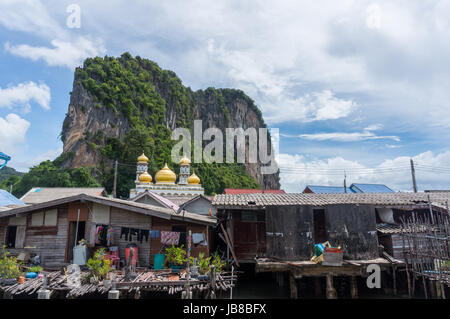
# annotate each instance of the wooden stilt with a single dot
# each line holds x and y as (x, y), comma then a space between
(394, 279)
(353, 287)
(331, 292)
(317, 287)
(432, 289)
(293, 285)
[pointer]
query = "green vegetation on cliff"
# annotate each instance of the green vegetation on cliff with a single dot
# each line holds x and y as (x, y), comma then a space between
(127, 86)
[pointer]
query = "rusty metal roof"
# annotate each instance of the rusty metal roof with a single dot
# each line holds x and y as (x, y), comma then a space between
(380, 199)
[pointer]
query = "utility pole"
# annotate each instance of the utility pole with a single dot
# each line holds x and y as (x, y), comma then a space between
(413, 175)
(345, 182)
(115, 179)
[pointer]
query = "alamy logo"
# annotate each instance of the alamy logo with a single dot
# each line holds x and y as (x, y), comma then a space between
(74, 19)
(251, 145)
(374, 279)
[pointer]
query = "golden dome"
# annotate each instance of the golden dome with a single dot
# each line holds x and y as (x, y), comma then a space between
(145, 178)
(165, 176)
(193, 179)
(143, 158)
(185, 161)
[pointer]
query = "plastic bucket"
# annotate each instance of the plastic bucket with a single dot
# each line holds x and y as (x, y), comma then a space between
(158, 261)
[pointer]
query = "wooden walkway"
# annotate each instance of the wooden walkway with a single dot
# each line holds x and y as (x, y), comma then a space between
(159, 281)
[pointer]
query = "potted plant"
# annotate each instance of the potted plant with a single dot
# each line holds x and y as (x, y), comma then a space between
(175, 257)
(202, 264)
(35, 269)
(99, 267)
(9, 268)
(218, 262)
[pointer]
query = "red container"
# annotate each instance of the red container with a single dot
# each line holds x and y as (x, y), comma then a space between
(333, 250)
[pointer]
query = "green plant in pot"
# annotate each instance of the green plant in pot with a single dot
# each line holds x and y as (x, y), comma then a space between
(203, 265)
(218, 262)
(98, 266)
(175, 257)
(9, 268)
(36, 269)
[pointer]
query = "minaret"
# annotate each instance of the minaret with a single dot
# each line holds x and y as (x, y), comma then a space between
(142, 166)
(185, 170)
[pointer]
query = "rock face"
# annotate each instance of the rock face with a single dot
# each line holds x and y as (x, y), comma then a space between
(219, 108)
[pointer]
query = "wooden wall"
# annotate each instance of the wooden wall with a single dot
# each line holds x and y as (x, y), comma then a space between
(353, 227)
(165, 225)
(122, 218)
(296, 225)
(47, 242)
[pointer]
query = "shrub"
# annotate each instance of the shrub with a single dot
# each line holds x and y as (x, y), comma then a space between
(176, 255)
(9, 267)
(99, 266)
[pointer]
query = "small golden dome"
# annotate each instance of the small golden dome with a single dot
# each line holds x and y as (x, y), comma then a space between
(165, 176)
(145, 178)
(143, 159)
(193, 179)
(185, 161)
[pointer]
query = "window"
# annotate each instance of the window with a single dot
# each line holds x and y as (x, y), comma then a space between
(48, 218)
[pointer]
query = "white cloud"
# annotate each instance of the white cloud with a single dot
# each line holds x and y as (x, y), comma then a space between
(13, 130)
(23, 93)
(68, 54)
(29, 16)
(432, 172)
(366, 134)
(23, 163)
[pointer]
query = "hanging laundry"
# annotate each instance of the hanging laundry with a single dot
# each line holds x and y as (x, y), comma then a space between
(109, 236)
(154, 234)
(134, 232)
(170, 238)
(198, 238)
(143, 233)
(98, 237)
(124, 231)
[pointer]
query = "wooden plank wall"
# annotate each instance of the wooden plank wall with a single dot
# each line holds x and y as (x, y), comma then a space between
(47, 242)
(165, 225)
(353, 227)
(122, 218)
(296, 224)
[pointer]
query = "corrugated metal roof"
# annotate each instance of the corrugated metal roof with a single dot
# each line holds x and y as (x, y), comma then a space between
(370, 188)
(7, 199)
(328, 189)
(146, 209)
(44, 194)
(384, 199)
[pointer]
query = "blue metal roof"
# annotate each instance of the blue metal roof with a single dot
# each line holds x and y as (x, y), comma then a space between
(328, 189)
(8, 199)
(370, 188)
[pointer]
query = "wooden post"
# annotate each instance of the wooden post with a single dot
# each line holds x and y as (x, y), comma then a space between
(331, 292)
(188, 293)
(213, 282)
(432, 289)
(394, 278)
(293, 286)
(413, 175)
(353, 287)
(231, 286)
(317, 287)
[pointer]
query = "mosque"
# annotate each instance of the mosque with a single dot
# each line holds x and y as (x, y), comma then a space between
(165, 180)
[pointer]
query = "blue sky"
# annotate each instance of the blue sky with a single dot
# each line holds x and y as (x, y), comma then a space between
(355, 85)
